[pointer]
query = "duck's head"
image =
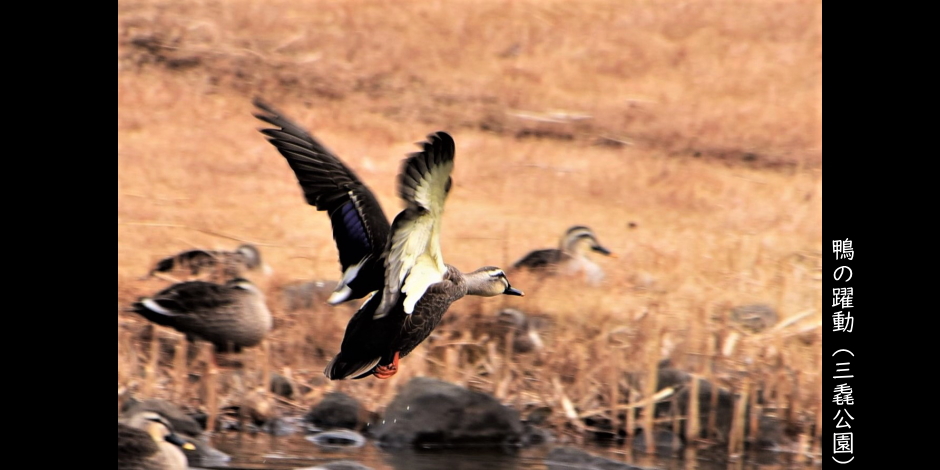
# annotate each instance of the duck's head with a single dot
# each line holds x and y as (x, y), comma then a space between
(250, 254)
(490, 281)
(579, 239)
(159, 429)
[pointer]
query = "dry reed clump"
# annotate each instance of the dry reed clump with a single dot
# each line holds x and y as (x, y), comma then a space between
(534, 68)
(739, 82)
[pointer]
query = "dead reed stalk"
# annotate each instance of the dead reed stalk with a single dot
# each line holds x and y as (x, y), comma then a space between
(613, 378)
(738, 419)
(151, 369)
(652, 373)
(210, 381)
(179, 368)
(692, 423)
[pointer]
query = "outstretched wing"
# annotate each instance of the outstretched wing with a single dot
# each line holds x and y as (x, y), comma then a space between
(414, 259)
(360, 228)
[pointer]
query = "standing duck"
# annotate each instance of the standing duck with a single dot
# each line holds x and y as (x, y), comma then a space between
(147, 442)
(570, 257)
(231, 316)
(409, 286)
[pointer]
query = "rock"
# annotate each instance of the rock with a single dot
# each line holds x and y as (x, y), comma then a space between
(569, 458)
(282, 386)
(754, 317)
(256, 408)
(669, 377)
(539, 415)
(602, 429)
(338, 439)
(665, 442)
(533, 436)
(281, 426)
(429, 412)
(335, 411)
(339, 465)
(772, 434)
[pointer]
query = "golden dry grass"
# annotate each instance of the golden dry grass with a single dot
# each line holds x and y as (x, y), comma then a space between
(736, 84)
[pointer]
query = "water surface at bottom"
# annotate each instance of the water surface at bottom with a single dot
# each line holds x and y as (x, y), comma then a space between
(266, 452)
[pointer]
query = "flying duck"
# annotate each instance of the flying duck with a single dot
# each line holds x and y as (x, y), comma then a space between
(409, 286)
(147, 442)
(360, 228)
(570, 257)
(220, 264)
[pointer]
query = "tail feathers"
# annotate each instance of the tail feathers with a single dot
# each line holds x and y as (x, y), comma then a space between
(340, 368)
(151, 310)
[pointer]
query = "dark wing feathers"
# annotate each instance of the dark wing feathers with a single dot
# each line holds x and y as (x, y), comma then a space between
(185, 301)
(438, 148)
(360, 227)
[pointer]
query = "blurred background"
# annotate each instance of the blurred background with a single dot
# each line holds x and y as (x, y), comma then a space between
(687, 135)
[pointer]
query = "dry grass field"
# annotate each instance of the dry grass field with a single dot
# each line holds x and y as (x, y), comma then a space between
(699, 122)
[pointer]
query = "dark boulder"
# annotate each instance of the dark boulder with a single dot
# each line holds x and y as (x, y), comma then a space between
(664, 442)
(282, 386)
(335, 411)
(431, 413)
(334, 440)
(339, 465)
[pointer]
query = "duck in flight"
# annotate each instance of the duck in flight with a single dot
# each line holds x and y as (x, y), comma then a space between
(399, 266)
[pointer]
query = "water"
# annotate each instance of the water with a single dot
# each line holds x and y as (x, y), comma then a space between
(267, 452)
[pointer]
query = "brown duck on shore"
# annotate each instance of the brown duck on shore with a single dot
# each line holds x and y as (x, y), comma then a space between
(525, 330)
(147, 442)
(400, 268)
(220, 265)
(231, 316)
(569, 258)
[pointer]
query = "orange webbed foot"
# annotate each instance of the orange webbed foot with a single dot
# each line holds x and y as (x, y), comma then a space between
(384, 372)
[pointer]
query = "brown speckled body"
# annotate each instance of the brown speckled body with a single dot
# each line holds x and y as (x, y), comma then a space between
(214, 265)
(367, 338)
(225, 315)
(547, 259)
